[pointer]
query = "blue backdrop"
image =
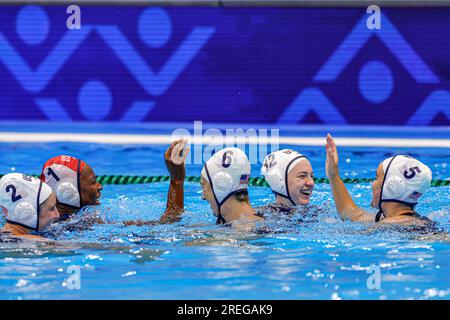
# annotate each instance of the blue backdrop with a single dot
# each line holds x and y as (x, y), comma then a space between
(297, 65)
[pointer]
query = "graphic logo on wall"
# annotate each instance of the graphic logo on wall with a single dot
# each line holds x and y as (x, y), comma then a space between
(375, 81)
(162, 64)
(94, 97)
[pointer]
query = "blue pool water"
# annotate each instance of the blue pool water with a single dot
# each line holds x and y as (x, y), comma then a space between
(195, 259)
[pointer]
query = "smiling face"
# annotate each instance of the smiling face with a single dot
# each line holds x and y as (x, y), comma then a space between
(207, 194)
(376, 187)
(48, 212)
(90, 188)
(301, 182)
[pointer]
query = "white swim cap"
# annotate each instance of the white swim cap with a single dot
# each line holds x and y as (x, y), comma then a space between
(22, 196)
(62, 174)
(405, 180)
(276, 168)
(228, 172)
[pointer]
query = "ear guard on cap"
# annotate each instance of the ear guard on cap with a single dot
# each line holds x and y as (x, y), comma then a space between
(223, 184)
(276, 179)
(67, 193)
(394, 188)
(24, 212)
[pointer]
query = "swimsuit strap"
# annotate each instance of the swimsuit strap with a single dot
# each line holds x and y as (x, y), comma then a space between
(260, 215)
(65, 217)
(408, 213)
(418, 216)
(279, 207)
(411, 213)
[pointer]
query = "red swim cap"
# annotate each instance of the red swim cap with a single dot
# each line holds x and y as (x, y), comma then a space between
(62, 174)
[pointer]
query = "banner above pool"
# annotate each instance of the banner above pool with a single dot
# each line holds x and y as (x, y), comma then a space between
(267, 65)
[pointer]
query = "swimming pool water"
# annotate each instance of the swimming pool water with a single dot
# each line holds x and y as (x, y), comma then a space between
(195, 259)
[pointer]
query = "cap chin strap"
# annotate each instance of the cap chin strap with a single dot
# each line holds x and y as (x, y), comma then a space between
(382, 185)
(79, 180)
(380, 212)
(220, 218)
(38, 207)
(288, 196)
(378, 216)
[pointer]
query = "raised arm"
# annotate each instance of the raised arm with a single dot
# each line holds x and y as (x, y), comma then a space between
(174, 157)
(345, 205)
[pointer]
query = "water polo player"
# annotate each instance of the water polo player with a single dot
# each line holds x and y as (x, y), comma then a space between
(400, 182)
(74, 183)
(291, 178)
(29, 205)
(224, 181)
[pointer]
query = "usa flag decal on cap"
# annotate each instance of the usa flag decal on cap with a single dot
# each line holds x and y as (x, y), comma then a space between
(415, 195)
(244, 179)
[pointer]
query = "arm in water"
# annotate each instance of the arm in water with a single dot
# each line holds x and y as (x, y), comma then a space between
(175, 158)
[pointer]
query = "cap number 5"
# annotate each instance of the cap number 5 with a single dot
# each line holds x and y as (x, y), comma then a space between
(413, 171)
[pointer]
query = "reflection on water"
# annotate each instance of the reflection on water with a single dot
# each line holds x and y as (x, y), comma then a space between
(323, 259)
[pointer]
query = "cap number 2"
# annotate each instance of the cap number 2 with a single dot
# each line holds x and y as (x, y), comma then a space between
(14, 197)
(270, 161)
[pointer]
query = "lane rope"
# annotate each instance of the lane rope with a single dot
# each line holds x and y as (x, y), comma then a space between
(255, 181)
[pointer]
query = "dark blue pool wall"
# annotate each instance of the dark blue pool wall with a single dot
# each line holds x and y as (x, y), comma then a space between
(268, 65)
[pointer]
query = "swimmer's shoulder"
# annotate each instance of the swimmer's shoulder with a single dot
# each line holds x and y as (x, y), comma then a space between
(303, 214)
(78, 221)
(35, 238)
(7, 237)
(413, 222)
(274, 208)
(411, 218)
(247, 224)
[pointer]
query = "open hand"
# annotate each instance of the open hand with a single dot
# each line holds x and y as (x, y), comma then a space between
(332, 161)
(175, 158)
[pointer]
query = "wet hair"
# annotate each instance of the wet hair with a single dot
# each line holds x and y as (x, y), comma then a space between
(242, 196)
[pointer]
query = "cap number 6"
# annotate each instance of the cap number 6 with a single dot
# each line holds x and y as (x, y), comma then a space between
(226, 160)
